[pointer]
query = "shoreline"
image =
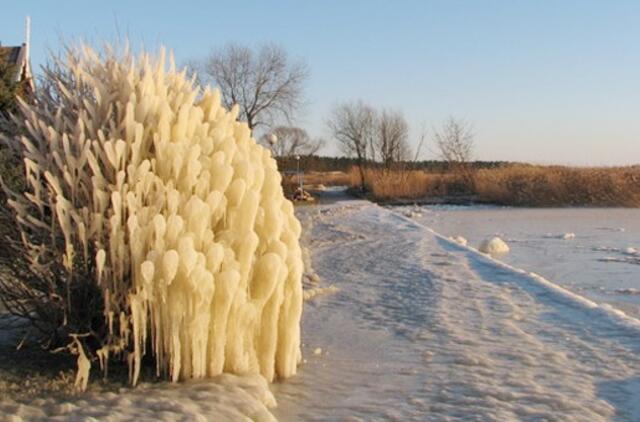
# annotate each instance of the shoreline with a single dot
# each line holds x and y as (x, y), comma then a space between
(468, 200)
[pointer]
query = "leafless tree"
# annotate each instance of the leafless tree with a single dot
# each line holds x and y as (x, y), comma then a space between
(455, 141)
(391, 138)
(293, 141)
(264, 83)
(352, 124)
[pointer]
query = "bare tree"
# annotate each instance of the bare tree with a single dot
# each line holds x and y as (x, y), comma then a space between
(352, 124)
(265, 84)
(293, 141)
(391, 138)
(455, 141)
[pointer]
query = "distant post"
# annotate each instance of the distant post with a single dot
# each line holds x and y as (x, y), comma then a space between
(298, 172)
(272, 139)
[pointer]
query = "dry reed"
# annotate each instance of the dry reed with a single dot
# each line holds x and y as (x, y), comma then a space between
(516, 185)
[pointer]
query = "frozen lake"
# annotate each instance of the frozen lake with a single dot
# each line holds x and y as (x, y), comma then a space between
(594, 252)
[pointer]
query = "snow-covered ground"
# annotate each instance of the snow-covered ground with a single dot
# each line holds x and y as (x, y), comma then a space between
(425, 329)
(225, 398)
(415, 327)
(38, 394)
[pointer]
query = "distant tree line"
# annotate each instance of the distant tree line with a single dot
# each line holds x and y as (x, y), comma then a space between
(344, 164)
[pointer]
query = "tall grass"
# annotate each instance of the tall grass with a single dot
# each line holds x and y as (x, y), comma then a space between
(517, 185)
(382, 184)
(553, 186)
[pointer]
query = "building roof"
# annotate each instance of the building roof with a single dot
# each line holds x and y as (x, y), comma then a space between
(17, 56)
(10, 55)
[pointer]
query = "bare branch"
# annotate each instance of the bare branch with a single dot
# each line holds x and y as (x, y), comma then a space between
(265, 84)
(293, 141)
(391, 138)
(352, 125)
(455, 141)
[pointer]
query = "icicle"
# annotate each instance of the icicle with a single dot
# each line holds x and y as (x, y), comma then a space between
(196, 248)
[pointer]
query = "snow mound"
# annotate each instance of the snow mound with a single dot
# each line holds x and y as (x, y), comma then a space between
(460, 240)
(563, 236)
(412, 214)
(313, 292)
(494, 246)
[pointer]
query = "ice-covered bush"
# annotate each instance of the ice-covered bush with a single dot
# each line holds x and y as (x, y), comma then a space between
(152, 224)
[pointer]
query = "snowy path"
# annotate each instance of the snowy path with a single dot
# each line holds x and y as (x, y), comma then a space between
(423, 329)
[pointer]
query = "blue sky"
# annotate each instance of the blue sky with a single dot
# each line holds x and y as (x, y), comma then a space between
(541, 81)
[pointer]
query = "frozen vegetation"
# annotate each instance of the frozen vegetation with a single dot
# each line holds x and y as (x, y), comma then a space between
(152, 224)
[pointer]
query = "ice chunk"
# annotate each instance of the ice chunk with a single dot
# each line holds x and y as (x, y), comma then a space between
(564, 236)
(459, 239)
(494, 246)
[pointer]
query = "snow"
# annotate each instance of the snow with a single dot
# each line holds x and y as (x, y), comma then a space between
(580, 264)
(313, 292)
(494, 246)
(226, 398)
(459, 239)
(632, 251)
(424, 328)
(563, 236)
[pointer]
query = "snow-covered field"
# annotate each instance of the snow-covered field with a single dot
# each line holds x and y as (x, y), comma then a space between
(420, 328)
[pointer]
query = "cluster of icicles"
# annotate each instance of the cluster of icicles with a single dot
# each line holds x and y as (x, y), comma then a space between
(178, 210)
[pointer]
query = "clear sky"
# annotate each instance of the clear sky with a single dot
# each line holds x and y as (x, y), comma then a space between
(541, 81)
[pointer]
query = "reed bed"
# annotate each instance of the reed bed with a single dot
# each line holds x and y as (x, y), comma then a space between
(515, 185)
(553, 186)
